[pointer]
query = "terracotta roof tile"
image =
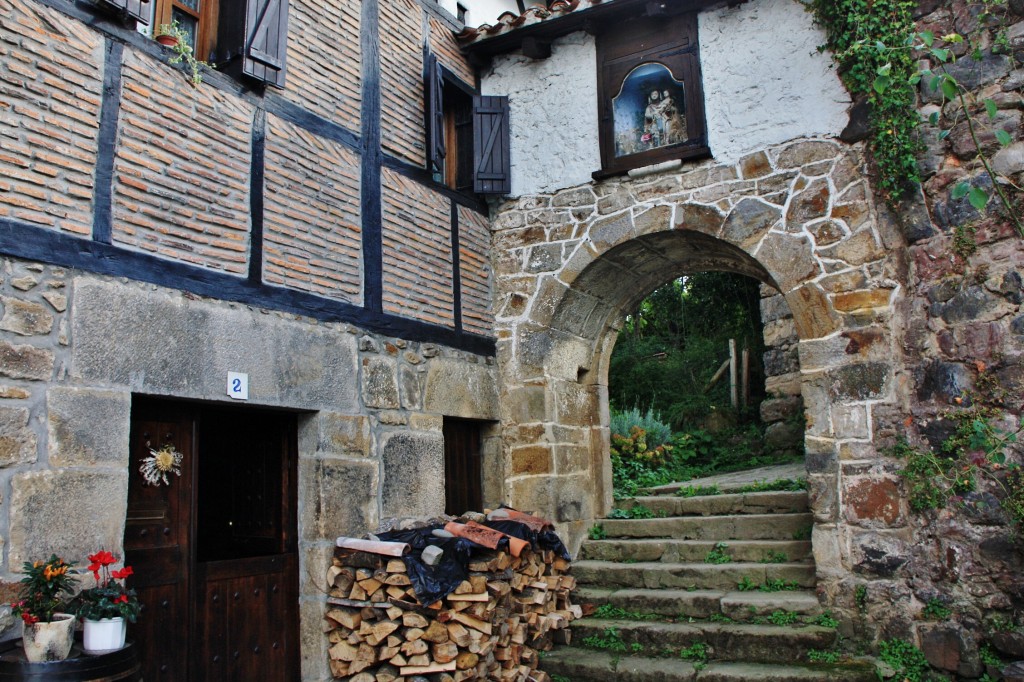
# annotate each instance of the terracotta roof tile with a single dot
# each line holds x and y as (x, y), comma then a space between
(510, 21)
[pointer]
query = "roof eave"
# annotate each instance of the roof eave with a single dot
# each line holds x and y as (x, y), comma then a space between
(582, 19)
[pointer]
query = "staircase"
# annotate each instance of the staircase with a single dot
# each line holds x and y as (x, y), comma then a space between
(713, 588)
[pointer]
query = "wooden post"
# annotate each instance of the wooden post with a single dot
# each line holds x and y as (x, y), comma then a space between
(733, 375)
(745, 378)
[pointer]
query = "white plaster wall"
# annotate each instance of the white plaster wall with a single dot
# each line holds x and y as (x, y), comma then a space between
(764, 83)
(553, 114)
(481, 11)
(764, 80)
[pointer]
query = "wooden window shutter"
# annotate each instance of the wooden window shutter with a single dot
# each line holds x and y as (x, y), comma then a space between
(266, 40)
(491, 166)
(435, 114)
(136, 9)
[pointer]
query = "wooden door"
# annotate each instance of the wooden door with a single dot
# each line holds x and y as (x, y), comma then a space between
(156, 543)
(215, 551)
(246, 562)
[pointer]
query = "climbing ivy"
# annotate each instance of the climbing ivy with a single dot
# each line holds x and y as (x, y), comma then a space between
(876, 45)
(858, 33)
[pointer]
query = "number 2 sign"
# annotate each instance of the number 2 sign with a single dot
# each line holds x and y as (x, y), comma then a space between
(238, 386)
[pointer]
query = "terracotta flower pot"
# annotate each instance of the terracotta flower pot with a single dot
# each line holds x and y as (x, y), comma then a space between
(49, 641)
(169, 41)
(103, 635)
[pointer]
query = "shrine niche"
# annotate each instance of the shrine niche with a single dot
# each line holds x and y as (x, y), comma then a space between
(649, 94)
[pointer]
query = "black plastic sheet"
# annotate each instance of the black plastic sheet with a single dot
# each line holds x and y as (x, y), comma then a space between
(432, 583)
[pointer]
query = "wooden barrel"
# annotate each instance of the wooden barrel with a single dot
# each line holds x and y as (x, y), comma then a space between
(117, 666)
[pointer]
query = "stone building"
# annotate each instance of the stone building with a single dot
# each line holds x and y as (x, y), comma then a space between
(308, 276)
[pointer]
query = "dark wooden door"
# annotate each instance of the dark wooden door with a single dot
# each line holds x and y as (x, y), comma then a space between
(156, 543)
(462, 472)
(216, 549)
(247, 570)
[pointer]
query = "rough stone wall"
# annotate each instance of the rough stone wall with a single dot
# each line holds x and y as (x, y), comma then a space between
(782, 410)
(75, 348)
(963, 348)
(570, 265)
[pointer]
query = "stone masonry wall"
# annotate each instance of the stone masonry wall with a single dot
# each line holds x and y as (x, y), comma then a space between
(75, 348)
(963, 349)
(571, 264)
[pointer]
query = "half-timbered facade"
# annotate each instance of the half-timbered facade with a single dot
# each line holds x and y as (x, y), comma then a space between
(357, 267)
(268, 272)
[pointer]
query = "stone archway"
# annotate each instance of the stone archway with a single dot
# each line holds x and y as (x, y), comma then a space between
(570, 265)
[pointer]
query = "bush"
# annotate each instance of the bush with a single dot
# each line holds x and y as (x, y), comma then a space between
(656, 431)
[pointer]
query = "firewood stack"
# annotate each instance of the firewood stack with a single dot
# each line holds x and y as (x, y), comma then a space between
(490, 628)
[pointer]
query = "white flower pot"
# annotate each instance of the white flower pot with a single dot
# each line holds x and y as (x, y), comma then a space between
(104, 635)
(49, 641)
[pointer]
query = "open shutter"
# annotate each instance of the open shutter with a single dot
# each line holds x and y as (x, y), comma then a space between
(491, 166)
(434, 87)
(136, 9)
(266, 40)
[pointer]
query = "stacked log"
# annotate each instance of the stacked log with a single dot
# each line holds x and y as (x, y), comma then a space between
(490, 628)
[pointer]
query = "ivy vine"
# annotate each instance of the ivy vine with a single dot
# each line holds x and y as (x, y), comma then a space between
(876, 45)
(858, 33)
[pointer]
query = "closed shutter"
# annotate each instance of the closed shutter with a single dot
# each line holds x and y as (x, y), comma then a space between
(266, 40)
(136, 9)
(434, 87)
(491, 165)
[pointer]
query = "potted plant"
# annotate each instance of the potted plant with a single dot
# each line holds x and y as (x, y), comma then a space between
(44, 589)
(175, 37)
(106, 608)
(168, 34)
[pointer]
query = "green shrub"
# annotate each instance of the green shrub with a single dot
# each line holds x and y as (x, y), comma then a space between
(657, 431)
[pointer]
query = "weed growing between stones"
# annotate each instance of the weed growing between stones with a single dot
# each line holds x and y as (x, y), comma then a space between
(560, 678)
(975, 453)
(637, 511)
(698, 491)
(860, 596)
(905, 659)
(697, 652)
(720, 618)
(747, 585)
(610, 612)
(781, 485)
(718, 554)
(774, 557)
(610, 640)
(596, 532)
(822, 656)
(824, 620)
(935, 609)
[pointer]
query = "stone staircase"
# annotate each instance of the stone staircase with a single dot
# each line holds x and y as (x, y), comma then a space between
(666, 613)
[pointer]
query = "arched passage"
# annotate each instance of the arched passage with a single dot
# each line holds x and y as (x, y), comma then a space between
(572, 264)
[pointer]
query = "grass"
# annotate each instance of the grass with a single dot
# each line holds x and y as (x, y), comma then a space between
(610, 612)
(821, 656)
(699, 491)
(747, 585)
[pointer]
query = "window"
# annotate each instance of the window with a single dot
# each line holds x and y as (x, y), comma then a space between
(650, 98)
(241, 37)
(467, 134)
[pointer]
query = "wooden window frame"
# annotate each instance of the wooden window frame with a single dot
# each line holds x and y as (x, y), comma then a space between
(671, 42)
(206, 23)
(468, 140)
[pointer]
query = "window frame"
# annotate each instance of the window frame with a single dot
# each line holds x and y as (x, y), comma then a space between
(671, 41)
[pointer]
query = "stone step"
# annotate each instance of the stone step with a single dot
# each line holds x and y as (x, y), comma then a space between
(723, 641)
(660, 575)
(578, 665)
(681, 551)
(784, 502)
(716, 528)
(702, 604)
(732, 482)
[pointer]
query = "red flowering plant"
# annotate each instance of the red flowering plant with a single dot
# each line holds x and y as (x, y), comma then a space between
(111, 597)
(44, 590)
